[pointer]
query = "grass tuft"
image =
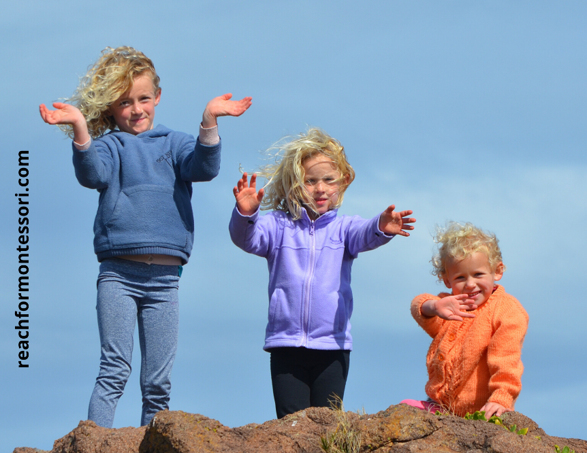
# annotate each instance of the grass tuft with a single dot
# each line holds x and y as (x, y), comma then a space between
(345, 438)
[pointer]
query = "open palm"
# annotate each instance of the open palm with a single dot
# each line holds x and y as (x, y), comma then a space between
(247, 198)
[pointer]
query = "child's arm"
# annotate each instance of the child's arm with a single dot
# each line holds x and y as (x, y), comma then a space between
(391, 222)
(248, 230)
(430, 325)
(427, 313)
(202, 163)
(92, 169)
(451, 308)
(364, 235)
(247, 198)
(223, 106)
(67, 114)
(504, 355)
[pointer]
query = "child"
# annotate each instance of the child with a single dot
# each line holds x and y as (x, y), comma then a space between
(144, 226)
(310, 251)
(478, 330)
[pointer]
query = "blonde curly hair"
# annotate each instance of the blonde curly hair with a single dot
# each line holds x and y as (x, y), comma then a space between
(285, 189)
(461, 240)
(105, 82)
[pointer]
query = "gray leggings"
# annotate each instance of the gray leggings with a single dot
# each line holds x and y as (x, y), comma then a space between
(129, 292)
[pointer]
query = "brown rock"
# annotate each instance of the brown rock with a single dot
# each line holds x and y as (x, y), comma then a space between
(29, 450)
(178, 432)
(91, 438)
(397, 424)
(398, 429)
(580, 446)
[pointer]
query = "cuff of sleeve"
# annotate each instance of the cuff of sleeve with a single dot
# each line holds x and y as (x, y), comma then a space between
(374, 222)
(209, 136)
(387, 235)
(84, 146)
(502, 397)
(252, 216)
(416, 306)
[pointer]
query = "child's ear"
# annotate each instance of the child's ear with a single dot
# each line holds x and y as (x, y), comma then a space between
(157, 97)
(446, 281)
(498, 272)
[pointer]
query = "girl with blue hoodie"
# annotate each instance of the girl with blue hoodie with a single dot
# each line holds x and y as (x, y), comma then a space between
(309, 251)
(144, 227)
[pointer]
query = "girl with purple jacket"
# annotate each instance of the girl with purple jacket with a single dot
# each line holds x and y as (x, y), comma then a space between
(309, 251)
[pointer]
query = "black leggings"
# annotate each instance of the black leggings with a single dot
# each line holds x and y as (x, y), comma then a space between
(305, 378)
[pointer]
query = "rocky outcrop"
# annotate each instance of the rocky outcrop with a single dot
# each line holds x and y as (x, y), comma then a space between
(397, 429)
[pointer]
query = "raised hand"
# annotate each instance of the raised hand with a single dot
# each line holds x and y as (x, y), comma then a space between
(247, 198)
(392, 222)
(451, 308)
(64, 114)
(223, 106)
(67, 114)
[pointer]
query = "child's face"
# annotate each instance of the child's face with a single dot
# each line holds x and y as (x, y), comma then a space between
(134, 111)
(322, 180)
(473, 276)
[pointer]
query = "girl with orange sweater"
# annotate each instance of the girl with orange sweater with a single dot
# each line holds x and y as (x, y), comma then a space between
(474, 361)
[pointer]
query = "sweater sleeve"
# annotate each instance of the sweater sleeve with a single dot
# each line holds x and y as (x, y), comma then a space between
(364, 235)
(510, 323)
(93, 166)
(198, 162)
(431, 325)
(253, 233)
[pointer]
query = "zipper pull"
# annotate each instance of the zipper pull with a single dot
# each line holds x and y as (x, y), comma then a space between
(311, 228)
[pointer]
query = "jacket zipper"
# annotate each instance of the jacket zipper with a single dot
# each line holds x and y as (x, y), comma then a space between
(306, 326)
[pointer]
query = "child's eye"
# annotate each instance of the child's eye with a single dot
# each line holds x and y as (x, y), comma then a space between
(310, 182)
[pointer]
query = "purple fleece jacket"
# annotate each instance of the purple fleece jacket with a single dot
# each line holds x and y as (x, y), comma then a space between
(310, 297)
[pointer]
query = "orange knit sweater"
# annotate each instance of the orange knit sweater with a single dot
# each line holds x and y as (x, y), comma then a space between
(477, 360)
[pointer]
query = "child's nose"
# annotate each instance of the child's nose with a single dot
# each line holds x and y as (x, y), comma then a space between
(137, 108)
(469, 283)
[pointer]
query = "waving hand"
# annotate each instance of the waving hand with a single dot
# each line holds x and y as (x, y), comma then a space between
(67, 114)
(223, 106)
(247, 198)
(392, 222)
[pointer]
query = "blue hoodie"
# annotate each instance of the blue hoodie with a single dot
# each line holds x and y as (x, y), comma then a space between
(145, 185)
(310, 297)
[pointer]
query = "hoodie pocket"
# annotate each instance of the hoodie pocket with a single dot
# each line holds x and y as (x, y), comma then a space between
(284, 317)
(147, 215)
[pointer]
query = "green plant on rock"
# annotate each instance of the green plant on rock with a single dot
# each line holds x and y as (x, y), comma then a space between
(514, 429)
(345, 438)
(480, 415)
(564, 450)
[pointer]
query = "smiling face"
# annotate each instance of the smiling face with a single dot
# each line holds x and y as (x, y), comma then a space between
(134, 111)
(473, 276)
(322, 180)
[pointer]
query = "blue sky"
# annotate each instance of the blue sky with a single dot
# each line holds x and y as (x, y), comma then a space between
(458, 110)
